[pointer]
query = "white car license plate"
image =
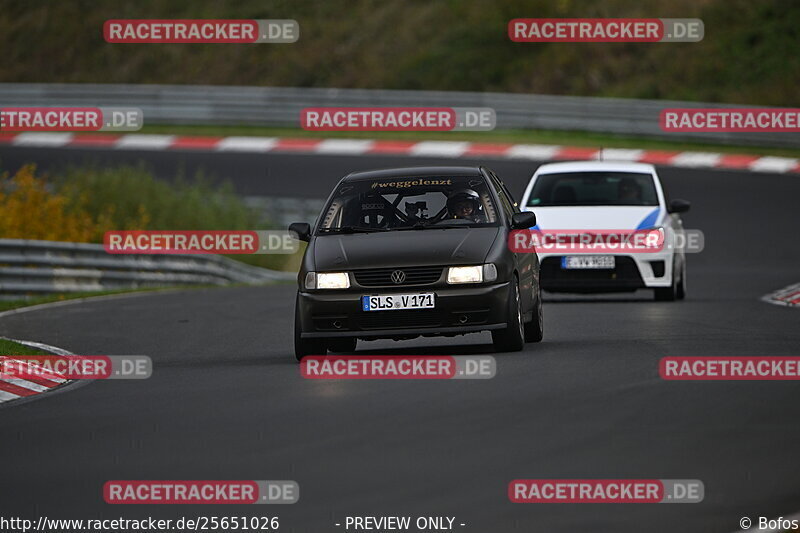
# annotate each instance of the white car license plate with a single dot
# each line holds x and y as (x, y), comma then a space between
(569, 262)
(393, 302)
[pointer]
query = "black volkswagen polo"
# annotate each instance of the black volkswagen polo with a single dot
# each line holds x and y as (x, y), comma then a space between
(405, 252)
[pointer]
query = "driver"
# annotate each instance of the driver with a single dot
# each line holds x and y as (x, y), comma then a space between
(629, 190)
(464, 204)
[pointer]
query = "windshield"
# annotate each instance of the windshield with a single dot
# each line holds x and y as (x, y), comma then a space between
(393, 204)
(593, 188)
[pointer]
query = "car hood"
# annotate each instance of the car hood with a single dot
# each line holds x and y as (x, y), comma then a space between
(621, 217)
(455, 246)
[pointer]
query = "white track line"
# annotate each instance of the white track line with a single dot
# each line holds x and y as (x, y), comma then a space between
(135, 141)
(621, 154)
(247, 144)
(696, 159)
(440, 148)
(42, 139)
(537, 152)
(773, 164)
(344, 146)
(41, 346)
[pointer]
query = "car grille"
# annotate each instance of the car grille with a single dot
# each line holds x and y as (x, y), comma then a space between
(400, 319)
(382, 277)
(624, 276)
(624, 269)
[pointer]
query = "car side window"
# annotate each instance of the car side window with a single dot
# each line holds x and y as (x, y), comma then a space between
(507, 206)
(508, 195)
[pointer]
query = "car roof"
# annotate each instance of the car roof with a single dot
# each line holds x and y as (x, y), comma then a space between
(595, 166)
(414, 171)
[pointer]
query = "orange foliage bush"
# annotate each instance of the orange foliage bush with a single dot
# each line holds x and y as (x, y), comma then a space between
(30, 210)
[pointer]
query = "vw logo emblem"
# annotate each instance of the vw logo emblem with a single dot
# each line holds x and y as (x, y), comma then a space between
(398, 277)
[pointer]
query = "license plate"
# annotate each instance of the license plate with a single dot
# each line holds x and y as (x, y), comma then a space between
(569, 262)
(393, 302)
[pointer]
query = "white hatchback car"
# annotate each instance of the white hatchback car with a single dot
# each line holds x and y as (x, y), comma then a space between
(607, 195)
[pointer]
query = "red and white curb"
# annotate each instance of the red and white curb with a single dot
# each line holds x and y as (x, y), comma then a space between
(16, 388)
(788, 296)
(455, 149)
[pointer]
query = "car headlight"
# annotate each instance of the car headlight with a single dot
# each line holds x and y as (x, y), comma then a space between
(327, 280)
(472, 274)
(656, 239)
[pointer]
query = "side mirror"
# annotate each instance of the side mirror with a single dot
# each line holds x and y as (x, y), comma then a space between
(679, 206)
(523, 220)
(303, 230)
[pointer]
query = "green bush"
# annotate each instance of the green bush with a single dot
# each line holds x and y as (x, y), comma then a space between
(134, 191)
(81, 203)
(134, 194)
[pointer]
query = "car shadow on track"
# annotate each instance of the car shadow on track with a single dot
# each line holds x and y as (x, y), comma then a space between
(449, 349)
(364, 350)
(432, 350)
(638, 297)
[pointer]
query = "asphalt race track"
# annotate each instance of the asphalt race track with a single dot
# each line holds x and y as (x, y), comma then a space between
(226, 400)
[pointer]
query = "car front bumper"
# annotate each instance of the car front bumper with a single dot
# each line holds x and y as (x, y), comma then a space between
(458, 310)
(632, 271)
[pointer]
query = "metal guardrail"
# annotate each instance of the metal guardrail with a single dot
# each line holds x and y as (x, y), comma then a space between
(281, 106)
(42, 267)
(283, 210)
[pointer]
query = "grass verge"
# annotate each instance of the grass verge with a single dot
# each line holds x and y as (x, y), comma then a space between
(14, 348)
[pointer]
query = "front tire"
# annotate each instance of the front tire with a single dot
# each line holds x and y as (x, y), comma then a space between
(668, 294)
(682, 285)
(512, 337)
(534, 330)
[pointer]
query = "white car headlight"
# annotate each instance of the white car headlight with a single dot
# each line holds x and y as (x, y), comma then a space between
(465, 274)
(327, 280)
(657, 239)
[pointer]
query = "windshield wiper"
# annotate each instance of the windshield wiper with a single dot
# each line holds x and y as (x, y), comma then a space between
(417, 225)
(426, 225)
(352, 229)
(449, 226)
(422, 224)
